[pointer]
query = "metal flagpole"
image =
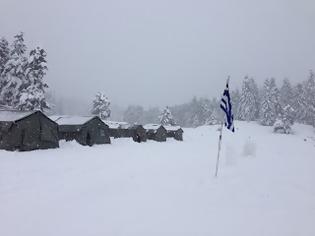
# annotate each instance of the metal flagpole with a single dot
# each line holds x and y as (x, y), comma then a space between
(219, 149)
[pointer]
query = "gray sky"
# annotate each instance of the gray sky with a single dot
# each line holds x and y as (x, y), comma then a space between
(164, 51)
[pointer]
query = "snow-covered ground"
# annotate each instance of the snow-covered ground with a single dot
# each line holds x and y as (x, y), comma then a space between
(266, 186)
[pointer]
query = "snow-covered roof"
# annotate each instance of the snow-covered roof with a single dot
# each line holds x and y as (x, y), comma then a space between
(116, 124)
(71, 120)
(152, 126)
(172, 128)
(13, 115)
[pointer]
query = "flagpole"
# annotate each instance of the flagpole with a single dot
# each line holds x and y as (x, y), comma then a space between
(220, 137)
(219, 149)
(226, 106)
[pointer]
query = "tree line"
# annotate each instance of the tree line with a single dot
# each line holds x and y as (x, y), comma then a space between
(266, 104)
(133, 114)
(269, 103)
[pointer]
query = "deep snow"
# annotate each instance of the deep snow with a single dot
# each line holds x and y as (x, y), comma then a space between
(266, 186)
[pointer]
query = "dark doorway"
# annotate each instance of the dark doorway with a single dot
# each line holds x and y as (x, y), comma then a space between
(138, 138)
(22, 140)
(88, 139)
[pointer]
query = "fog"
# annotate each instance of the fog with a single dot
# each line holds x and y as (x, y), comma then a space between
(163, 52)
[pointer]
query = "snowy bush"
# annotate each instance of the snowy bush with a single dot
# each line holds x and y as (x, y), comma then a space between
(282, 126)
(212, 120)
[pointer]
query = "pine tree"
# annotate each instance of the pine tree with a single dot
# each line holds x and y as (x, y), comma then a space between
(101, 106)
(182, 114)
(235, 99)
(134, 114)
(248, 105)
(13, 73)
(287, 102)
(18, 46)
(195, 111)
(288, 115)
(166, 117)
(151, 115)
(257, 97)
(206, 112)
(299, 103)
(201, 110)
(4, 57)
(32, 89)
(286, 93)
(309, 97)
(217, 115)
(270, 105)
(18, 60)
(4, 54)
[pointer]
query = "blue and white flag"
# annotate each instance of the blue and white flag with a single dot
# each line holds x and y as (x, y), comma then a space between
(226, 106)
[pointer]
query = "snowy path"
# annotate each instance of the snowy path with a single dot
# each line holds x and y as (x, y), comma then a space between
(164, 188)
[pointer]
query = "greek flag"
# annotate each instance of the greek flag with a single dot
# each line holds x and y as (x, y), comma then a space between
(226, 106)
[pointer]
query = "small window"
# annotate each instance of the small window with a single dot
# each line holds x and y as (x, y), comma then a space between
(102, 133)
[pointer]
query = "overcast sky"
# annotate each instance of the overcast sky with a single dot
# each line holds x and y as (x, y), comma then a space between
(164, 51)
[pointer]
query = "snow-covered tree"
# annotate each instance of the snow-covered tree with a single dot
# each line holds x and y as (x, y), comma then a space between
(217, 115)
(4, 54)
(133, 114)
(282, 126)
(37, 63)
(201, 111)
(166, 117)
(212, 119)
(101, 106)
(309, 97)
(13, 72)
(286, 93)
(270, 105)
(18, 46)
(288, 115)
(33, 88)
(235, 99)
(257, 97)
(287, 101)
(249, 101)
(151, 115)
(17, 63)
(21, 79)
(299, 103)
(4, 57)
(195, 112)
(206, 114)
(32, 98)
(182, 114)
